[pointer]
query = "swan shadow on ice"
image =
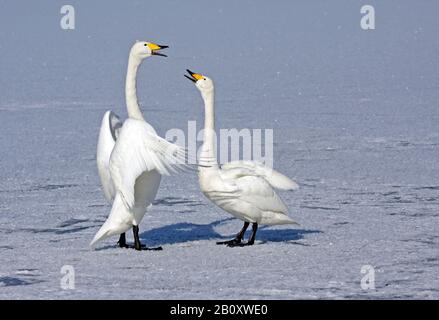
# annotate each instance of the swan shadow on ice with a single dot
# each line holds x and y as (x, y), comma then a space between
(182, 232)
(186, 232)
(13, 281)
(267, 234)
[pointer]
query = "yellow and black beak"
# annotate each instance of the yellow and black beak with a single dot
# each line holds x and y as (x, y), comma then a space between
(194, 77)
(155, 48)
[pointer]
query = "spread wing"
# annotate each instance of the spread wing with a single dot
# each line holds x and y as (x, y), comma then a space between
(108, 134)
(139, 149)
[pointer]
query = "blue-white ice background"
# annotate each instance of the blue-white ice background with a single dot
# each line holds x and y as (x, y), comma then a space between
(355, 116)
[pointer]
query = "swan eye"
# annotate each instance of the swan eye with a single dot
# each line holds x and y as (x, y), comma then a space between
(145, 45)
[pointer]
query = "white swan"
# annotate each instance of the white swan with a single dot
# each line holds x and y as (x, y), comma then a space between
(131, 159)
(242, 188)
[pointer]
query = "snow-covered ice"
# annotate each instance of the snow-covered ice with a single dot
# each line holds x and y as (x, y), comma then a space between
(355, 118)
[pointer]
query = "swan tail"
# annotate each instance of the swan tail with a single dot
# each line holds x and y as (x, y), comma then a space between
(290, 221)
(273, 218)
(119, 221)
(103, 233)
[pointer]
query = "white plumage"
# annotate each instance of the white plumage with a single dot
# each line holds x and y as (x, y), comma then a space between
(131, 159)
(110, 128)
(245, 189)
(247, 193)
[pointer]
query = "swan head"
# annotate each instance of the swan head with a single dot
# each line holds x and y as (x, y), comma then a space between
(203, 83)
(144, 49)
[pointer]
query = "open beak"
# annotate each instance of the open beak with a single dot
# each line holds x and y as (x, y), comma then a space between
(155, 48)
(194, 77)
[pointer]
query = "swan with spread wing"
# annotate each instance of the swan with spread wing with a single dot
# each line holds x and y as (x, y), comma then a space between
(131, 159)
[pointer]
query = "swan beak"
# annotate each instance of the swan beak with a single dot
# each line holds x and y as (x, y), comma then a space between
(155, 48)
(194, 77)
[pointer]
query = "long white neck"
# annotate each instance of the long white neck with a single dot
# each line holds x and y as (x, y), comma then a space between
(208, 150)
(130, 88)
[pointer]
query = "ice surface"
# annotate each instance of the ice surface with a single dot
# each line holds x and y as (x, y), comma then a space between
(355, 118)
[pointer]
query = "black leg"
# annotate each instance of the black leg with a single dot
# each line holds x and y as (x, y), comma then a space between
(251, 241)
(253, 236)
(238, 237)
(137, 244)
(122, 241)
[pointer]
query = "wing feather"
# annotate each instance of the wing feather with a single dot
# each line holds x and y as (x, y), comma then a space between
(139, 149)
(251, 168)
(108, 133)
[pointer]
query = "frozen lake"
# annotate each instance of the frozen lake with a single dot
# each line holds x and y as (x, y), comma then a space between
(355, 118)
